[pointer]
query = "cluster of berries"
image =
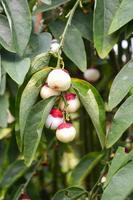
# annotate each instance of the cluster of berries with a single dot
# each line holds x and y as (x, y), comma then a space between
(58, 84)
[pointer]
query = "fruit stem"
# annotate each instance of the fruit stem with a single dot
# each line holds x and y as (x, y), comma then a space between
(69, 16)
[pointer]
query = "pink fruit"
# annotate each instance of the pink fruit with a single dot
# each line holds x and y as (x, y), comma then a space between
(55, 118)
(65, 132)
(72, 101)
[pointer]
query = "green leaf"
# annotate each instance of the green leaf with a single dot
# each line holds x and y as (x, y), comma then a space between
(103, 15)
(71, 193)
(5, 132)
(38, 44)
(30, 95)
(84, 23)
(84, 167)
(34, 126)
(93, 104)
(123, 15)
(5, 34)
(121, 85)
(72, 40)
(3, 81)
(39, 62)
(12, 174)
(44, 8)
(19, 18)
(4, 104)
(0, 70)
(121, 158)
(16, 67)
(18, 193)
(120, 185)
(48, 2)
(122, 120)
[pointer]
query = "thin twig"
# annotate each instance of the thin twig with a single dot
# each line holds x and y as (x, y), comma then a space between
(69, 16)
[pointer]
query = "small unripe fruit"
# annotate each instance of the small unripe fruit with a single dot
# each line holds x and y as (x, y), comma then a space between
(65, 132)
(47, 92)
(92, 75)
(55, 46)
(55, 118)
(72, 101)
(59, 80)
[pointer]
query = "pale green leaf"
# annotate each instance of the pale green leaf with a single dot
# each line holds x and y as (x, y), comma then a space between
(121, 121)
(4, 104)
(16, 67)
(121, 85)
(103, 14)
(34, 126)
(123, 15)
(30, 95)
(19, 18)
(121, 158)
(5, 34)
(73, 44)
(93, 104)
(120, 185)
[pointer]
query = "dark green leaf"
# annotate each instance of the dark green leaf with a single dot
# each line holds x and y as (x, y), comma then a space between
(121, 158)
(120, 185)
(39, 62)
(38, 44)
(4, 104)
(34, 126)
(12, 174)
(16, 67)
(5, 34)
(30, 95)
(84, 23)
(71, 193)
(44, 8)
(3, 81)
(84, 167)
(121, 85)
(129, 29)
(20, 21)
(73, 43)
(122, 120)
(123, 15)
(103, 15)
(18, 193)
(93, 104)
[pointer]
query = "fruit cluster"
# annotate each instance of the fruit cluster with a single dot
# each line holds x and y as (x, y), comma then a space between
(58, 84)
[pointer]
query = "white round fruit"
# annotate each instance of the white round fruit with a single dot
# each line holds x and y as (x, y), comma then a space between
(54, 119)
(55, 46)
(59, 80)
(47, 92)
(72, 101)
(65, 132)
(92, 75)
